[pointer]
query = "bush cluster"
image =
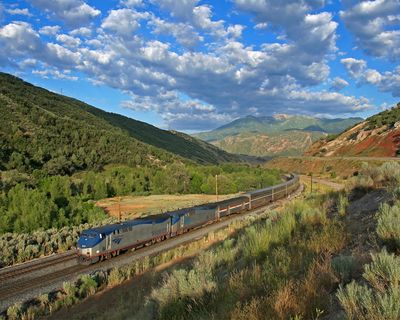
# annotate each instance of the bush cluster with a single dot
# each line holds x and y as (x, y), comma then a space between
(345, 267)
(269, 269)
(388, 224)
(21, 247)
(379, 300)
(388, 174)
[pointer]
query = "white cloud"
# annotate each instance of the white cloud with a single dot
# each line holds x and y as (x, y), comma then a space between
(200, 17)
(261, 26)
(73, 12)
(338, 84)
(180, 9)
(184, 33)
(193, 88)
(68, 40)
(375, 26)
(21, 12)
(132, 3)
(19, 38)
(61, 56)
(355, 67)
(235, 31)
(123, 21)
(83, 32)
(49, 30)
(388, 81)
(27, 63)
(55, 74)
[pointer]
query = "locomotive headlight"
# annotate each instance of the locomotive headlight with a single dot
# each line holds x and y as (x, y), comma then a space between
(97, 251)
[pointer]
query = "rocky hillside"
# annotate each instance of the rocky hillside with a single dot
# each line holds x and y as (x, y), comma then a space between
(41, 130)
(377, 136)
(283, 135)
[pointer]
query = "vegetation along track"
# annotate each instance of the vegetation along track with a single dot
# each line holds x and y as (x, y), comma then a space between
(28, 287)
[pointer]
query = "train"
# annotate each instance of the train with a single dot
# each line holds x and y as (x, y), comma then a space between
(107, 241)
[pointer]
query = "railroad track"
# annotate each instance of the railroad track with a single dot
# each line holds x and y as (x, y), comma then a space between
(16, 287)
(30, 266)
(22, 284)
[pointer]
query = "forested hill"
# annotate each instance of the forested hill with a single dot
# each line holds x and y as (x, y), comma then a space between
(172, 141)
(60, 135)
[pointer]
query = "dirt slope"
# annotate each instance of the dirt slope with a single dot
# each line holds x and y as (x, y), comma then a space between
(377, 136)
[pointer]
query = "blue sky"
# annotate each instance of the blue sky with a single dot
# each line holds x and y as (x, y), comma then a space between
(194, 65)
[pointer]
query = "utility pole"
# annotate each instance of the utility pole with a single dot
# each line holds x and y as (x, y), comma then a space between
(216, 186)
(119, 209)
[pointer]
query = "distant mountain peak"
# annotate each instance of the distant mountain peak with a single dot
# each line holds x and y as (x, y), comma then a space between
(281, 116)
(271, 135)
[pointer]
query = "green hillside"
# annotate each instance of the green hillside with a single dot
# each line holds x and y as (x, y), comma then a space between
(60, 135)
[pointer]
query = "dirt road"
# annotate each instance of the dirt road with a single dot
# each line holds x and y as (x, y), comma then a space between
(334, 185)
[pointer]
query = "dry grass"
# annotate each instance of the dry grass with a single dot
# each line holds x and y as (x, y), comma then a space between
(138, 206)
(318, 187)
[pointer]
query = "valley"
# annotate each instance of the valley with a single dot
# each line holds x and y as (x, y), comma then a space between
(56, 185)
(196, 160)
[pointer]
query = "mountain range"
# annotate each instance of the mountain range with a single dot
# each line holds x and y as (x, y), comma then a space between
(276, 135)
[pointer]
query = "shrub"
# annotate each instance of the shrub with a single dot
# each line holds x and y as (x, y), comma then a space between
(388, 224)
(383, 272)
(390, 172)
(87, 286)
(367, 177)
(70, 293)
(344, 267)
(342, 204)
(379, 302)
(312, 216)
(30, 314)
(182, 290)
(356, 300)
(14, 311)
(116, 276)
(257, 239)
(43, 300)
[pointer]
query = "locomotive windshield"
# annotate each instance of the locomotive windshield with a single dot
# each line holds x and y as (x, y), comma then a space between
(89, 235)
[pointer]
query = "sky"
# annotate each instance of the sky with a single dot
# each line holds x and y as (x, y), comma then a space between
(193, 65)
